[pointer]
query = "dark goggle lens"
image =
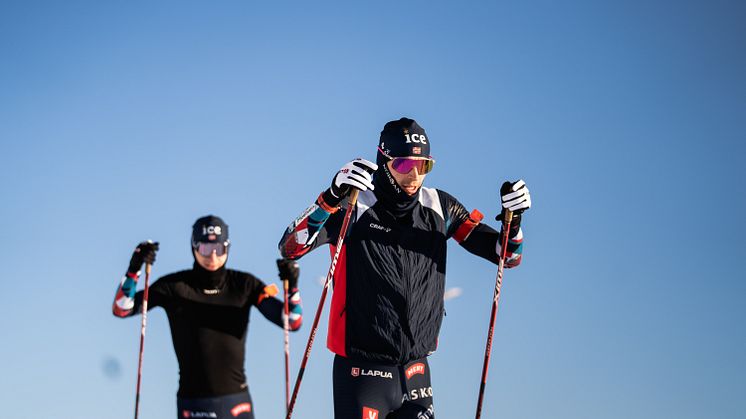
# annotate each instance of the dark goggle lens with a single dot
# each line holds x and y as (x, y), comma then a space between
(206, 249)
(404, 165)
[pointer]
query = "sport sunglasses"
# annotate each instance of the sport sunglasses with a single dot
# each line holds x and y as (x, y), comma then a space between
(405, 165)
(206, 249)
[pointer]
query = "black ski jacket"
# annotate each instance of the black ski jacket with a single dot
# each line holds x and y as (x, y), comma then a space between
(389, 282)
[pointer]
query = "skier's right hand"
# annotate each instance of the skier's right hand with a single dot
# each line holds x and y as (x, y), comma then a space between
(144, 253)
(288, 270)
(358, 174)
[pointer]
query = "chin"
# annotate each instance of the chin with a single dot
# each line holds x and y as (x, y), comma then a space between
(413, 192)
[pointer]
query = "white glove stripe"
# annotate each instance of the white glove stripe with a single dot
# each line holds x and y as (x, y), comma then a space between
(517, 207)
(362, 173)
(514, 202)
(357, 183)
(369, 164)
(520, 205)
(515, 194)
(519, 185)
(366, 178)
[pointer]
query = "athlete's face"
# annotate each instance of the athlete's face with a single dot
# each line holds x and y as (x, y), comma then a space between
(211, 263)
(409, 182)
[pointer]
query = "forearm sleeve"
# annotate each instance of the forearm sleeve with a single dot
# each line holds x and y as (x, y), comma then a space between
(125, 301)
(485, 241)
(272, 309)
(317, 225)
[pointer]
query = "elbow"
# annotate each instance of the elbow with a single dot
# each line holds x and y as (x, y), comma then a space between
(119, 311)
(295, 323)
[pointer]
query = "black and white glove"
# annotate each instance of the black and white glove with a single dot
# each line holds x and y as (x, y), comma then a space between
(515, 198)
(144, 253)
(357, 173)
(288, 270)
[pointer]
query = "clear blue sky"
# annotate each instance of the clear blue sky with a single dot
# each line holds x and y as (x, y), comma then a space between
(124, 121)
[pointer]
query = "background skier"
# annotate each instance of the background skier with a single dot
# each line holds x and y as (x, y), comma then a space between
(208, 311)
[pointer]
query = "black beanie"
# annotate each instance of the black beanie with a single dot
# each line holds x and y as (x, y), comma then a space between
(210, 229)
(403, 138)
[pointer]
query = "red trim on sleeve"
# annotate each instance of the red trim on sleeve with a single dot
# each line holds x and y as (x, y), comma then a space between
(269, 291)
(326, 207)
(468, 226)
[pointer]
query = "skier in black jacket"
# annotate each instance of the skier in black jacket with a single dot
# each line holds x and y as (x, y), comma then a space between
(208, 311)
(387, 305)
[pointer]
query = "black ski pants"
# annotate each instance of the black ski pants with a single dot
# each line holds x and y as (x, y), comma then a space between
(223, 407)
(378, 391)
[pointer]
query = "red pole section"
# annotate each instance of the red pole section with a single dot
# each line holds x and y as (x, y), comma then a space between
(495, 301)
(340, 241)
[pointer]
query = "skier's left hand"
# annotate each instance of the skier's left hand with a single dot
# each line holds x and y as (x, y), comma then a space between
(516, 198)
(288, 269)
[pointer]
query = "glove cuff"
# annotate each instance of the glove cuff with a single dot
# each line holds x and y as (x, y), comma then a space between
(134, 270)
(328, 201)
(515, 222)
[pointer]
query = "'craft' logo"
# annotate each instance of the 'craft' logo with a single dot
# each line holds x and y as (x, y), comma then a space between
(380, 227)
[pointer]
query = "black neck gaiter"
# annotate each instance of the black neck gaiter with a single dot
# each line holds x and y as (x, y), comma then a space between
(208, 280)
(392, 197)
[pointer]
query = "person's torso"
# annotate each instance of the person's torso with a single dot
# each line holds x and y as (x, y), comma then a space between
(395, 277)
(208, 330)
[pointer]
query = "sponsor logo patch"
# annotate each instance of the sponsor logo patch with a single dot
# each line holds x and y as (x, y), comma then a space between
(212, 230)
(376, 373)
(357, 372)
(369, 413)
(416, 150)
(198, 414)
(418, 368)
(418, 393)
(241, 408)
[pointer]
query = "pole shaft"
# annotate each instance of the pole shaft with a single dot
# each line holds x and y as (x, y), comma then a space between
(307, 354)
(143, 325)
(495, 301)
(286, 327)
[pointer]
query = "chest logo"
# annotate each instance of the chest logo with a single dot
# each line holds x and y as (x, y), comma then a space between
(380, 227)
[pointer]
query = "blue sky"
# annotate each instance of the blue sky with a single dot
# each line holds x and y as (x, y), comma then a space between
(123, 122)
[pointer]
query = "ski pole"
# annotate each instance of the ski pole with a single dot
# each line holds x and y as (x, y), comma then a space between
(495, 300)
(142, 337)
(340, 240)
(286, 329)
